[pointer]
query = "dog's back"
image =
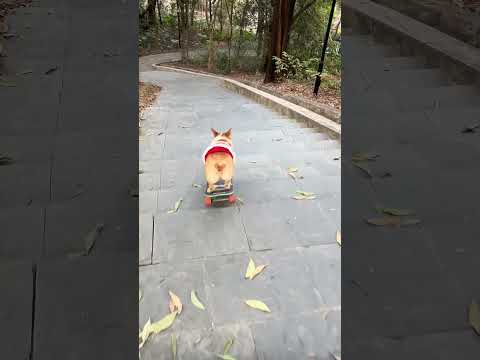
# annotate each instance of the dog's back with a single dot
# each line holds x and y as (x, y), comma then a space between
(219, 165)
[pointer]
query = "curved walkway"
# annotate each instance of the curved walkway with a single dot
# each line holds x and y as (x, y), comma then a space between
(207, 250)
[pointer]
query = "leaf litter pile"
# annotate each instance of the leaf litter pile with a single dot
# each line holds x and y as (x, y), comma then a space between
(176, 306)
(147, 95)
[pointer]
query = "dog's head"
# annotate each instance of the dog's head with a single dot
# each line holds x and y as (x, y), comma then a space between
(225, 137)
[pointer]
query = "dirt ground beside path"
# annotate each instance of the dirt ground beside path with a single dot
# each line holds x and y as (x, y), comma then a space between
(147, 94)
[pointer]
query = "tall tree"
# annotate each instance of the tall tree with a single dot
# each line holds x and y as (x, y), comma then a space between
(284, 16)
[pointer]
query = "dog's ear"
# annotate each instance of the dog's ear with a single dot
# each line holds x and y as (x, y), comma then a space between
(228, 133)
(214, 132)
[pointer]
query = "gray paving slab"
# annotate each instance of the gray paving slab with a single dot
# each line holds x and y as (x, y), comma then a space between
(190, 234)
(298, 337)
(26, 241)
(203, 344)
(83, 318)
(156, 281)
(69, 217)
(145, 238)
(16, 286)
(208, 249)
(24, 184)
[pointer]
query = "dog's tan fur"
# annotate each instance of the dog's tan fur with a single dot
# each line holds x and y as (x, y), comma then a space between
(219, 166)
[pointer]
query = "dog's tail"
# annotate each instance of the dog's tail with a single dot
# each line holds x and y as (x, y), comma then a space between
(220, 167)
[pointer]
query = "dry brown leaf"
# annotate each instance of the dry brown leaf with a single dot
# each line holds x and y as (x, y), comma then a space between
(392, 221)
(175, 304)
(257, 271)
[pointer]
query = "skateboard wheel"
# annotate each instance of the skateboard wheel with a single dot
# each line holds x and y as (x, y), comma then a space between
(232, 198)
(207, 201)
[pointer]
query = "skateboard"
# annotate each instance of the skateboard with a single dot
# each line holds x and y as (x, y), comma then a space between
(220, 194)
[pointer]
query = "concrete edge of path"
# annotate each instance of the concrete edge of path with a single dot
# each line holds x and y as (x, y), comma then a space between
(332, 128)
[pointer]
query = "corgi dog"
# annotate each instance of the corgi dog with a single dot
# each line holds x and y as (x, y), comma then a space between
(219, 160)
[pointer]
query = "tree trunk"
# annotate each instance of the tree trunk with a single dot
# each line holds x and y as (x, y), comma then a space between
(260, 27)
(179, 26)
(151, 12)
(159, 9)
(282, 19)
(211, 49)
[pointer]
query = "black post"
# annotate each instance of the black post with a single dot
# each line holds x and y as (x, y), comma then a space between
(324, 50)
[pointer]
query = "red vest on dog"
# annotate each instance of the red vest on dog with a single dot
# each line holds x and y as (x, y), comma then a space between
(218, 147)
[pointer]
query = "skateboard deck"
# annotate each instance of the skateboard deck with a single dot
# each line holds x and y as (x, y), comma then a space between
(220, 194)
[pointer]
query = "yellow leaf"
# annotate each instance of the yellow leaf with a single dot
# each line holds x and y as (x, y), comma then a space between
(257, 304)
(303, 197)
(174, 347)
(292, 169)
(474, 316)
(163, 324)
(175, 303)
(339, 238)
(305, 193)
(145, 333)
(177, 206)
(257, 271)
(250, 269)
(227, 347)
(292, 175)
(195, 301)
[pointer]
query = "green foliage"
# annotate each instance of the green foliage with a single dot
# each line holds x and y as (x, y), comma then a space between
(291, 67)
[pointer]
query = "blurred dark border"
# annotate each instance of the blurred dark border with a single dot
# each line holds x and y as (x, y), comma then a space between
(69, 180)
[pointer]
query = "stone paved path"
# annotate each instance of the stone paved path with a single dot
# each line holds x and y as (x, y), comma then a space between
(66, 124)
(207, 250)
(420, 115)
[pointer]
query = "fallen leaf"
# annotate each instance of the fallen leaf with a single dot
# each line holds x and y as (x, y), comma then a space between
(5, 160)
(292, 169)
(250, 269)
(395, 212)
(91, 238)
(339, 238)
(177, 206)
(257, 271)
(303, 197)
(474, 316)
(7, 84)
(392, 221)
(358, 157)
(277, 139)
(305, 193)
(163, 324)
(470, 129)
(365, 169)
(292, 175)
(139, 295)
(228, 346)
(174, 347)
(195, 301)
(336, 158)
(145, 333)
(52, 70)
(175, 303)
(225, 357)
(257, 304)
(133, 190)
